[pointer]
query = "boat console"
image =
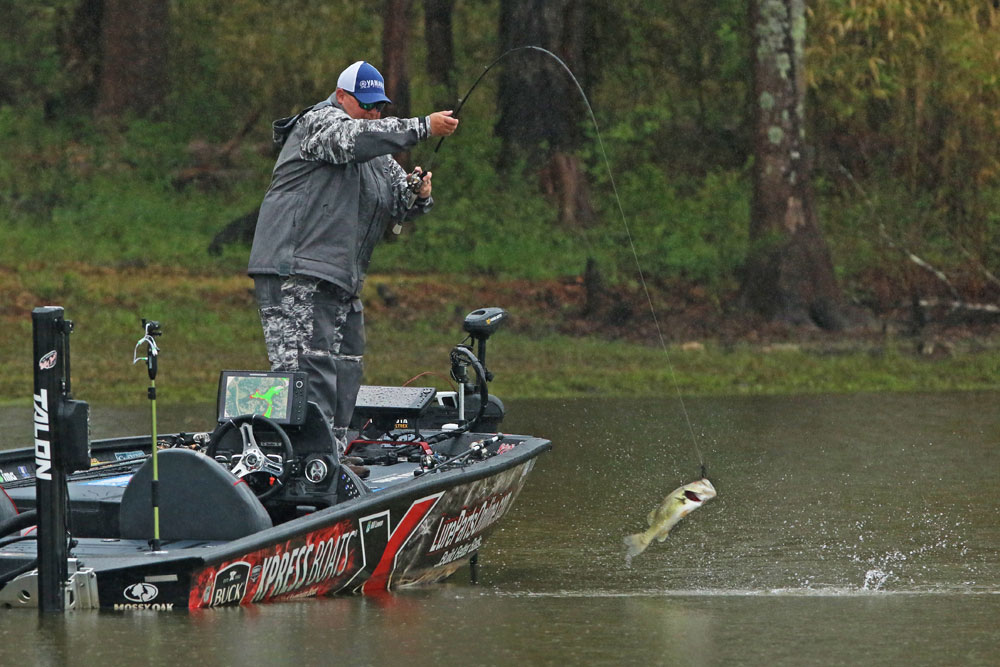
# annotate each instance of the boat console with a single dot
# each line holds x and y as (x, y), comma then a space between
(272, 437)
(217, 507)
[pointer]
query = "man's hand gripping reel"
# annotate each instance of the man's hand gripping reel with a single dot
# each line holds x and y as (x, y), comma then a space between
(414, 182)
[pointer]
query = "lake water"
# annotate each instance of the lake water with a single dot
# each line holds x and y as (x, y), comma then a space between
(848, 530)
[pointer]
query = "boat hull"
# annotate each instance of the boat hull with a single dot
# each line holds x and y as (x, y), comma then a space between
(414, 533)
(413, 540)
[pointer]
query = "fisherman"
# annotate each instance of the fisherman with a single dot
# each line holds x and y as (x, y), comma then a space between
(334, 191)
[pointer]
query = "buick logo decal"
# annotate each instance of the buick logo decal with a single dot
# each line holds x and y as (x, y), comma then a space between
(141, 592)
(48, 361)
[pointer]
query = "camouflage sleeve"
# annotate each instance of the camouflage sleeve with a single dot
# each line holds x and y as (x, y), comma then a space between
(333, 136)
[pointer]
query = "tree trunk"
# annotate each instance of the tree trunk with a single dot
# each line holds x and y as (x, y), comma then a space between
(440, 52)
(79, 40)
(395, 54)
(134, 57)
(540, 107)
(789, 273)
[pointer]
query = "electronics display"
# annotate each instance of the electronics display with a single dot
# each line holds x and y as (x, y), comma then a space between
(279, 396)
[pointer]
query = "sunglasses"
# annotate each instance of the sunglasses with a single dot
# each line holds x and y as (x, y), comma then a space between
(368, 106)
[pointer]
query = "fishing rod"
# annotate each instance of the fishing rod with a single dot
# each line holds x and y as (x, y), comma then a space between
(621, 211)
(462, 100)
(150, 330)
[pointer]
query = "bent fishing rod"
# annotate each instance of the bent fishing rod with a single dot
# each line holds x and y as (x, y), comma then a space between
(628, 232)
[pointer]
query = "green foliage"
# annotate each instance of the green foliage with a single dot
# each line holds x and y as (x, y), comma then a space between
(105, 198)
(696, 231)
(904, 99)
(31, 67)
(266, 55)
(676, 95)
(483, 223)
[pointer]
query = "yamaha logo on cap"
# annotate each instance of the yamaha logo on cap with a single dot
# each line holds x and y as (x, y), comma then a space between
(364, 82)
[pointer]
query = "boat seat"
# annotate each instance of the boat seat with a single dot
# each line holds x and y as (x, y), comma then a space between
(199, 500)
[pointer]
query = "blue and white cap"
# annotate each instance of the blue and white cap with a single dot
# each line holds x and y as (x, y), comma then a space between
(364, 82)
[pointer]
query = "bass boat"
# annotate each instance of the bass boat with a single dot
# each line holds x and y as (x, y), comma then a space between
(259, 507)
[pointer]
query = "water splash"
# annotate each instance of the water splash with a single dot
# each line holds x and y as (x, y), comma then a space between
(933, 532)
(875, 579)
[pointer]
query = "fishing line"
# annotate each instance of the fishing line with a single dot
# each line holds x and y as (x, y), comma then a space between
(621, 211)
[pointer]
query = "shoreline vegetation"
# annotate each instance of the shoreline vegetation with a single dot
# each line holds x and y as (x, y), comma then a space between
(119, 208)
(563, 339)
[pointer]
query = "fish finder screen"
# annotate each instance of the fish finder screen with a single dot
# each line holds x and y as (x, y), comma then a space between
(277, 396)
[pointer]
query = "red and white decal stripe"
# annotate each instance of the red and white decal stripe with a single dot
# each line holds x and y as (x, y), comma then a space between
(379, 581)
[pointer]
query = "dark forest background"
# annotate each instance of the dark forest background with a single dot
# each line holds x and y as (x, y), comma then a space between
(795, 158)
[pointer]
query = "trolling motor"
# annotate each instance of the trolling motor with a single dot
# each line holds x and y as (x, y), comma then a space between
(480, 325)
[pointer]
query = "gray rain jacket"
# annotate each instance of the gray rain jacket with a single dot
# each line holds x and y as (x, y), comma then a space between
(334, 191)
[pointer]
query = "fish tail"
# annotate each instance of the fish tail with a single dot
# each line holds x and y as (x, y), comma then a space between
(635, 545)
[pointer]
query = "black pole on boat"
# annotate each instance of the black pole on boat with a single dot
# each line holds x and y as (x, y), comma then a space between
(50, 478)
(62, 446)
(151, 329)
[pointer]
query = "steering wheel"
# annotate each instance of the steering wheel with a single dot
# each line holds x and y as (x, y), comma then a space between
(253, 460)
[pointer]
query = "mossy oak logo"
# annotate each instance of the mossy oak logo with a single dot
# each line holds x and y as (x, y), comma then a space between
(141, 592)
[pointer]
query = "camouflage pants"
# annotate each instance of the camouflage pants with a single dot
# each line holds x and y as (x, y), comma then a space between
(314, 326)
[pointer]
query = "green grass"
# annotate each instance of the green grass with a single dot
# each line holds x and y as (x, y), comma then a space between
(210, 323)
(94, 222)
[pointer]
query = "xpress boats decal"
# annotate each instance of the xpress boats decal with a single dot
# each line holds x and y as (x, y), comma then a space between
(318, 562)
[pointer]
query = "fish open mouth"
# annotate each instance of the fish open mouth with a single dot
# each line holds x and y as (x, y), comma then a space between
(692, 496)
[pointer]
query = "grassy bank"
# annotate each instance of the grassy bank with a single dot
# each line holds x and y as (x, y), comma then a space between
(209, 321)
(131, 242)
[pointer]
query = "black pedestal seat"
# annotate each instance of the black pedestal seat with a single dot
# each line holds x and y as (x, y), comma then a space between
(199, 500)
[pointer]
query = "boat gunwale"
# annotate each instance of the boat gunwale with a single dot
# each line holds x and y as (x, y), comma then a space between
(202, 553)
